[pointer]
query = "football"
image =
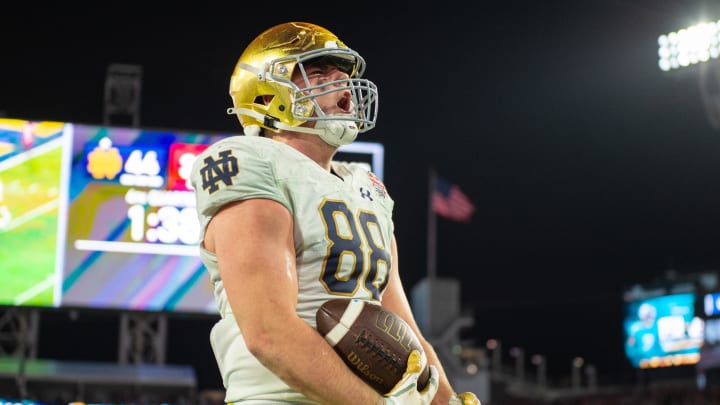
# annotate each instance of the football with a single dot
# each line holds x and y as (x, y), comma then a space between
(373, 341)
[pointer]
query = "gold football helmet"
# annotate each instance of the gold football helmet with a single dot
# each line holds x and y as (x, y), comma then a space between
(264, 96)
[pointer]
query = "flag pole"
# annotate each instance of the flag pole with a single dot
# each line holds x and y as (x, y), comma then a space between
(431, 227)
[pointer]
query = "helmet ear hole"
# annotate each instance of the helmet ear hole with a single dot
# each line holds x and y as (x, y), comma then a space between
(266, 99)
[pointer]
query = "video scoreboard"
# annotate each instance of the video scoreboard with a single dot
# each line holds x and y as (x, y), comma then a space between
(104, 217)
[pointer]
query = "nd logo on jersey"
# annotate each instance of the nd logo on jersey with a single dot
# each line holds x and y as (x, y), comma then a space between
(224, 168)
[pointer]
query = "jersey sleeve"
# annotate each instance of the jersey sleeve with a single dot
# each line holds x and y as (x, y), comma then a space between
(230, 170)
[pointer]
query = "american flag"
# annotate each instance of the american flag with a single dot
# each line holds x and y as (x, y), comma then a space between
(450, 202)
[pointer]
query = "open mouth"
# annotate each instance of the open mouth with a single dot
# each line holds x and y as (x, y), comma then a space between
(345, 103)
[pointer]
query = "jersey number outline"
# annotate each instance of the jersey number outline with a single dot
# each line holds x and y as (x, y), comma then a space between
(347, 241)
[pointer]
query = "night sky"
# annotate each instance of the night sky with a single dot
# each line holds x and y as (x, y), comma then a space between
(590, 169)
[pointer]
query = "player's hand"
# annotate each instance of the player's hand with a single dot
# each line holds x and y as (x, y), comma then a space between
(466, 398)
(405, 392)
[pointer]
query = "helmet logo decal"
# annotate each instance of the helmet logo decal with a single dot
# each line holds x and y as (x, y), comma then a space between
(303, 39)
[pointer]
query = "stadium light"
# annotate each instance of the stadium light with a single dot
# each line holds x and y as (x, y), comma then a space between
(495, 346)
(689, 46)
(518, 353)
(698, 44)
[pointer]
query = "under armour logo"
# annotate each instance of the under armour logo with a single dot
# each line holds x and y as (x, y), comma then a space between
(217, 170)
(365, 194)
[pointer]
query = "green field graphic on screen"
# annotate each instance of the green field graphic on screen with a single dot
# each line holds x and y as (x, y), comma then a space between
(31, 156)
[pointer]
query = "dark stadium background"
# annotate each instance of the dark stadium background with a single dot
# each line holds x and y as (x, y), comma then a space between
(590, 169)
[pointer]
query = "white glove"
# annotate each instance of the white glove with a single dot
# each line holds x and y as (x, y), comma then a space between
(405, 391)
(466, 398)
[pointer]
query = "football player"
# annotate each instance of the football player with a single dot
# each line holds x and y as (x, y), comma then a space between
(286, 228)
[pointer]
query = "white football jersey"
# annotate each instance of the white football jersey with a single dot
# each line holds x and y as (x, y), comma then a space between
(342, 233)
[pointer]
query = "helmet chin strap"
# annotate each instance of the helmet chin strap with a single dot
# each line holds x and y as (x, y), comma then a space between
(334, 132)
